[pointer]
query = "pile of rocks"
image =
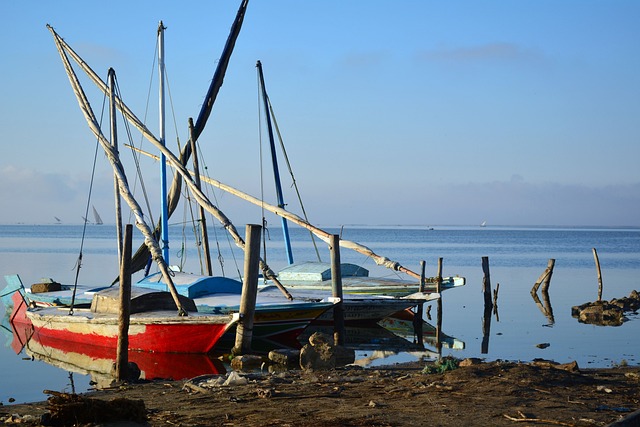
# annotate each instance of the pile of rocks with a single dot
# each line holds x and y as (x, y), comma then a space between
(607, 313)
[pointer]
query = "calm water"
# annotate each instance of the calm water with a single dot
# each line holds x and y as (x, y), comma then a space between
(517, 258)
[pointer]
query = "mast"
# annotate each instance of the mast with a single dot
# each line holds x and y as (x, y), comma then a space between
(114, 144)
(163, 159)
(274, 161)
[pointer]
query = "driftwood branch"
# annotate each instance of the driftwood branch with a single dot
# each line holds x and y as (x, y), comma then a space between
(524, 419)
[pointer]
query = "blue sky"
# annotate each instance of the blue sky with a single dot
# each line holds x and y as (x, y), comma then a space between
(395, 112)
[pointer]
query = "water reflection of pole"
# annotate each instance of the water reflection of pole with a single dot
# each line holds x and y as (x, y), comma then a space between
(439, 321)
(418, 316)
(439, 328)
(488, 306)
(495, 302)
(547, 305)
(544, 306)
(71, 383)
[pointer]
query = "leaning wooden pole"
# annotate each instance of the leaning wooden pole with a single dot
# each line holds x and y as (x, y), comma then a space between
(595, 257)
(545, 278)
(244, 331)
(122, 356)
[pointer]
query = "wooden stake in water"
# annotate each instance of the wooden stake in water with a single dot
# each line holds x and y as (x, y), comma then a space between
(486, 283)
(122, 355)
(336, 290)
(244, 331)
(595, 257)
(545, 278)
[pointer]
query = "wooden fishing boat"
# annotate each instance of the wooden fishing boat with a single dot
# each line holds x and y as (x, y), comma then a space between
(357, 308)
(275, 318)
(356, 281)
(154, 326)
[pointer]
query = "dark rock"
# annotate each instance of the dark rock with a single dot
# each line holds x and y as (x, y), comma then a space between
(247, 361)
(607, 313)
(284, 356)
(321, 354)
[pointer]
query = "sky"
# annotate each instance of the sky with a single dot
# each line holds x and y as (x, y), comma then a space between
(392, 112)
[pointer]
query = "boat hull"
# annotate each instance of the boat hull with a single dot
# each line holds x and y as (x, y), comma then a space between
(165, 333)
(162, 332)
(275, 318)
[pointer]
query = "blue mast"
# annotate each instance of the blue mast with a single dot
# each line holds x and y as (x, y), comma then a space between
(163, 160)
(274, 161)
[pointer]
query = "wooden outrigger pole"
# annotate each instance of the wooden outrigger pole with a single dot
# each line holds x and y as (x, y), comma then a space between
(320, 233)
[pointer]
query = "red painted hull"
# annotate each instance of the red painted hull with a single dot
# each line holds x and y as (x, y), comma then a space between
(147, 332)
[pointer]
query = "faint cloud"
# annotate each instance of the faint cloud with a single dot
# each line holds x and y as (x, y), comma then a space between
(100, 52)
(482, 53)
(364, 59)
(515, 178)
(33, 194)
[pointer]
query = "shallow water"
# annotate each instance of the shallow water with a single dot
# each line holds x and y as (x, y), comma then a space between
(517, 257)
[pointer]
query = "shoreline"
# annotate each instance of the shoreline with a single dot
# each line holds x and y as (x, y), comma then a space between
(474, 393)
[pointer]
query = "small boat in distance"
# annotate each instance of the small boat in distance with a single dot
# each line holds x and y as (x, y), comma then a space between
(96, 216)
(483, 224)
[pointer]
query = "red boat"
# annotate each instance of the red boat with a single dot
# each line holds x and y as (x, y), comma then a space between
(153, 326)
